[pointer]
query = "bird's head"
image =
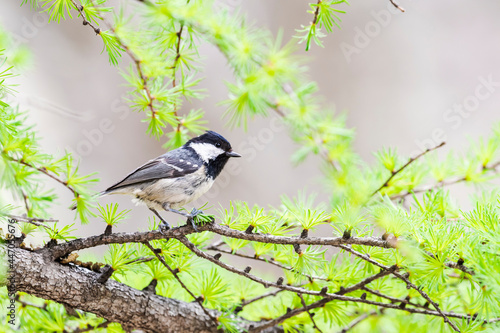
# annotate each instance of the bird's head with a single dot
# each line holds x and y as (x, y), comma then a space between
(211, 146)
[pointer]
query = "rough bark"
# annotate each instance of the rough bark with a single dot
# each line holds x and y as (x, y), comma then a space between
(37, 274)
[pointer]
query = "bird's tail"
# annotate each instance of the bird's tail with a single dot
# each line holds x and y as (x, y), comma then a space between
(95, 197)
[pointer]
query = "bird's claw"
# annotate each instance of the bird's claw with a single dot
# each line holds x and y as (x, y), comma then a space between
(164, 226)
(195, 212)
(190, 218)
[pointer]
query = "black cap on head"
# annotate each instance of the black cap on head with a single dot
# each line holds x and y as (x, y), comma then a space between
(213, 138)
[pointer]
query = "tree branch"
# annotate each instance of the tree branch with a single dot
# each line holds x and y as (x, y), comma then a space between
(180, 233)
(392, 299)
(463, 268)
(397, 6)
(197, 299)
(311, 315)
(316, 13)
(37, 274)
(358, 320)
(79, 8)
(410, 161)
(257, 298)
(267, 261)
(45, 172)
(407, 281)
(77, 287)
(363, 283)
(141, 237)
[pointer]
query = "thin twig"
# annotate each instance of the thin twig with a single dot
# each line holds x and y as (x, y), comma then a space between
(174, 69)
(174, 273)
(323, 151)
(358, 320)
(139, 260)
(28, 219)
(31, 221)
(357, 286)
(309, 313)
(24, 195)
(410, 161)
(463, 268)
(290, 314)
(139, 68)
(44, 171)
(316, 13)
(366, 281)
(428, 188)
(491, 168)
(268, 261)
(79, 8)
(406, 280)
(397, 6)
(392, 299)
(265, 283)
(327, 296)
(257, 298)
(24, 303)
(91, 328)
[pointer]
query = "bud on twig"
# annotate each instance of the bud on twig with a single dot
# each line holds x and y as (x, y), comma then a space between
(297, 249)
(304, 233)
(347, 234)
(109, 230)
(106, 273)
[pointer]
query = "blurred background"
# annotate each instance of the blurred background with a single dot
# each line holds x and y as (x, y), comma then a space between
(407, 80)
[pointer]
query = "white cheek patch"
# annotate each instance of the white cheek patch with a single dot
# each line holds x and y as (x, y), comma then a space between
(206, 151)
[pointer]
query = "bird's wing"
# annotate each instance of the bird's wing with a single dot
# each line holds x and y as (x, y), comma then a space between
(165, 166)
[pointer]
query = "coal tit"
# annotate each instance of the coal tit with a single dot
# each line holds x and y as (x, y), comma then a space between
(177, 177)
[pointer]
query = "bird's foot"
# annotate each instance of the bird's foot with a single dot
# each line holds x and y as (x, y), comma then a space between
(164, 226)
(195, 212)
(190, 218)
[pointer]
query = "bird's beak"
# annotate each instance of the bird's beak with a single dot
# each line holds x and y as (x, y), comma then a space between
(232, 154)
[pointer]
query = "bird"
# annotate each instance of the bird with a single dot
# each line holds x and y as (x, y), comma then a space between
(177, 177)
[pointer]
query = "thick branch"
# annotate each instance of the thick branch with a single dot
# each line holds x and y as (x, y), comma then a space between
(37, 274)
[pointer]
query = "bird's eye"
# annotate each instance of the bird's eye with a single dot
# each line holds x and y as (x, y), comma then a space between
(217, 145)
